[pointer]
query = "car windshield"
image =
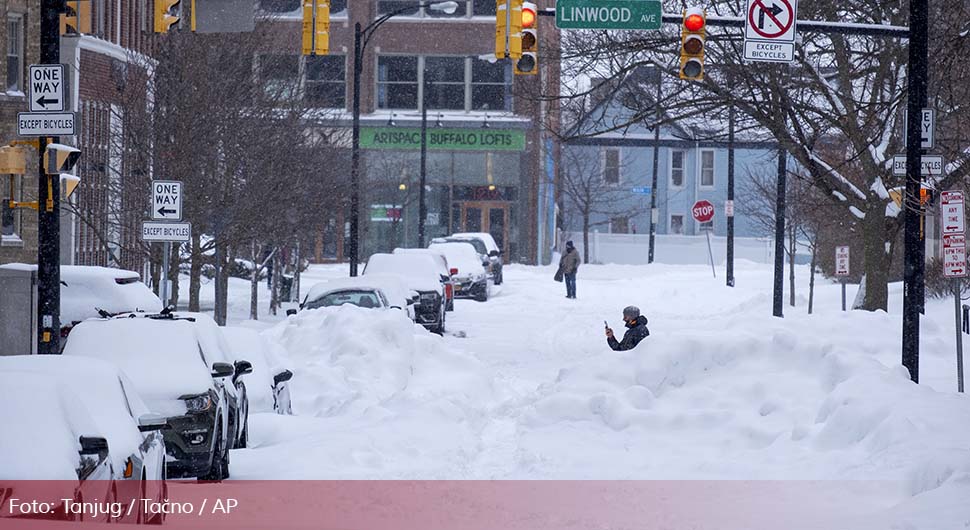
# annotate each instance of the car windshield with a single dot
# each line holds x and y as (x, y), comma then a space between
(479, 246)
(357, 298)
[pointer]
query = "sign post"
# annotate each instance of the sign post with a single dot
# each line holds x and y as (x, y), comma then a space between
(842, 268)
(703, 212)
(769, 31)
(953, 228)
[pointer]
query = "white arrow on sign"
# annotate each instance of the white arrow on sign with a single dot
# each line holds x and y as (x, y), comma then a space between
(46, 87)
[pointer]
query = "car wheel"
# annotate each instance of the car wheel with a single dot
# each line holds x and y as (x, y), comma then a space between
(450, 306)
(244, 437)
(159, 518)
(216, 468)
(224, 465)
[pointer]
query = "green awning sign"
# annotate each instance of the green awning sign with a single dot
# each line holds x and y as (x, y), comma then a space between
(443, 139)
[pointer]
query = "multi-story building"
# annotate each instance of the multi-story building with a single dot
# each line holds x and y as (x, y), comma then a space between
(489, 154)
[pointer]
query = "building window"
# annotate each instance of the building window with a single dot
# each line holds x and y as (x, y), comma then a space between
(280, 74)
(15, 53)
(338, 8)
(620, 225)
(326, 84)
(409, 7)
(488, 84)
(611, 166)
(483, 8)
(397, 82)
(446, 82)
(676, 169)
(677, 224)
(9, 217)
(707, 168)
(281, 6)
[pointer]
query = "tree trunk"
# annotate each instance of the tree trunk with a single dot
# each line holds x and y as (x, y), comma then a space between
(811, 276)
(295, 290)
(876, 259)
(585, 237)
(274, 294)
(173, 272)
(254, 285)
(195, 272)
(792, 248)
(156, 266)
(222, 283)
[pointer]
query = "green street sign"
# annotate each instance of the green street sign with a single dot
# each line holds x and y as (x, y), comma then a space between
(443, 139)
(608, 14)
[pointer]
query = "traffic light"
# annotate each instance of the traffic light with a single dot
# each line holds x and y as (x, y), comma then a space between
(167, 14)
(316, 27)
(76, 18)
(508, 29)
(60, 158)
(69, 183)
(692, 35)
(528, 63)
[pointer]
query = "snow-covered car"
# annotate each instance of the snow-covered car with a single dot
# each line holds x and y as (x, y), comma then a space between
(267, 387)
(166, 361)
(420, 274)
(444, 269)
(51, 449)
(470, 277)
(132, 432)
(485, 245)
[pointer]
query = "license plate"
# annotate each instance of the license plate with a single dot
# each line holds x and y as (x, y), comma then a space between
(457, 287)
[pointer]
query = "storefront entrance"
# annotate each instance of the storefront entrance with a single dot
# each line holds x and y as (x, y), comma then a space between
(491, 217)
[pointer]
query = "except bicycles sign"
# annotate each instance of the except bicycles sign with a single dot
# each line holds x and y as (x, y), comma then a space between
(769, 30)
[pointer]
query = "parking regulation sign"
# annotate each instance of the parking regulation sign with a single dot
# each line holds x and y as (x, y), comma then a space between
(842, 261)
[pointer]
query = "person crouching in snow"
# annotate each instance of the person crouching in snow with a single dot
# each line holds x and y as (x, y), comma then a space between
(636, 330)
(569, 264)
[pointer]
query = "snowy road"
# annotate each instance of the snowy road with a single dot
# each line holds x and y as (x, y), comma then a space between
(524, 386)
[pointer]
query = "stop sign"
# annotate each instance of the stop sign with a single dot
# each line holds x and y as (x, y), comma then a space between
(703, 211)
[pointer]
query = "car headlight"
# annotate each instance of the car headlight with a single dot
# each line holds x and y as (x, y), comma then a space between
(200, 403)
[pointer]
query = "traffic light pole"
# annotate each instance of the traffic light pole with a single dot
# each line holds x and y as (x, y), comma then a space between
(912, 209)
(779, 273)
(355, 156)
(422, 206)
(656, 165)
(48, 207)
(730, 197)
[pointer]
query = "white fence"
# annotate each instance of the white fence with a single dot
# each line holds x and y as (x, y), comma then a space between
(633, 249)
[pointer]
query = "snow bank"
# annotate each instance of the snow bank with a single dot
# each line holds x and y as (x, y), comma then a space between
(349, 360)
(247, 344)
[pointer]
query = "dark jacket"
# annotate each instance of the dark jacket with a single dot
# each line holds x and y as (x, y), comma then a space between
(635, 332)
(569, 262)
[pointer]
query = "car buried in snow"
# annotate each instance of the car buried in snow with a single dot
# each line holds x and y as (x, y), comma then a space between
(486, 248)
(467, 272)
(444, 270)
(169, 365)
(419, 273)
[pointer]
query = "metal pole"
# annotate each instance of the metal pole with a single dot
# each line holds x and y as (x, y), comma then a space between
(654, 216)
(422, 206)
(164, 286)
(912, 270)
(710, 254)
(730, 197)
(843, 295)
(958, 325)
(355, 158)
(48, 210)
(780, 236)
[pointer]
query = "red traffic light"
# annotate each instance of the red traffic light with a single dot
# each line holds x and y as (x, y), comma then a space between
(528, 15)
(694, 22)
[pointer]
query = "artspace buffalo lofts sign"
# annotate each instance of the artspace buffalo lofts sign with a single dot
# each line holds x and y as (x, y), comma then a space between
(442, 139)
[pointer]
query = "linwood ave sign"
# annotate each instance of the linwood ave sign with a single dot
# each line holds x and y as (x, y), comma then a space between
(442, 139)
(608, 14)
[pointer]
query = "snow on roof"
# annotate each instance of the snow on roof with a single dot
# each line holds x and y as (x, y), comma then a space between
(484, 236)
(419, 272)
(101, 387)
(440, 259)
(461, 256)
(321, 289)
(161, 357)
(42, 422)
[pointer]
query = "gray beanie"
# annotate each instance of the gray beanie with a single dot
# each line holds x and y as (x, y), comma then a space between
(631, 312)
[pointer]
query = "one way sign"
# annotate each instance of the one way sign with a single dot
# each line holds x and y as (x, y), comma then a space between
(46, 87)
(166, 200)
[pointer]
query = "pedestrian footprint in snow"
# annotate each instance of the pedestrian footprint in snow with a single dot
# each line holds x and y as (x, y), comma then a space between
(636, 330)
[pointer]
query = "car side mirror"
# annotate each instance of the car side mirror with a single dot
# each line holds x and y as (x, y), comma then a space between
(282, 377)
(93, 445)
(291, 312)
(412, 301)
(243, 368)
(152, 422)
(494, 254)
(222, 370)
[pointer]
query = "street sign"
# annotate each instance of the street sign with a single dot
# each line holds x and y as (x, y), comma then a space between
(644, 190)
(842, 261)
(703, 211)
(951, 212)
(608, 14)
(172, 232)
(166, 200)
(954, 256)
(46, 87)
(769, 30)
(729, 208)
(46, 124)
(930, 165)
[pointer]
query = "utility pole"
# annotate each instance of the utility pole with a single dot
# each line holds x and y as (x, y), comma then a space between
(422, 205)
(779, 275)
(355, 156)
(913, 266)
(730, 199)
(48, 206)
(654, 217)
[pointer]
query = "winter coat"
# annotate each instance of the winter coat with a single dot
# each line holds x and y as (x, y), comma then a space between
(636, 331)
(569, 262)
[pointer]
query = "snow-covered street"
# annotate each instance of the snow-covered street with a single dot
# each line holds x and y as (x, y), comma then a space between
(524, 386)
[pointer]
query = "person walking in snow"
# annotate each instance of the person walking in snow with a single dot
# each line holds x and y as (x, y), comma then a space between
(636, 330)
(568, 265)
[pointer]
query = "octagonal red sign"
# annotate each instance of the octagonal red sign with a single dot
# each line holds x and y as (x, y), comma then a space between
(703, 211)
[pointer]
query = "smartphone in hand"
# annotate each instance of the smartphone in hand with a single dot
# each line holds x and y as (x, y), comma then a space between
(605, 325)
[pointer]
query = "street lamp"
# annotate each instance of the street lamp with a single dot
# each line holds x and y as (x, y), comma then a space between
(361, 37)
